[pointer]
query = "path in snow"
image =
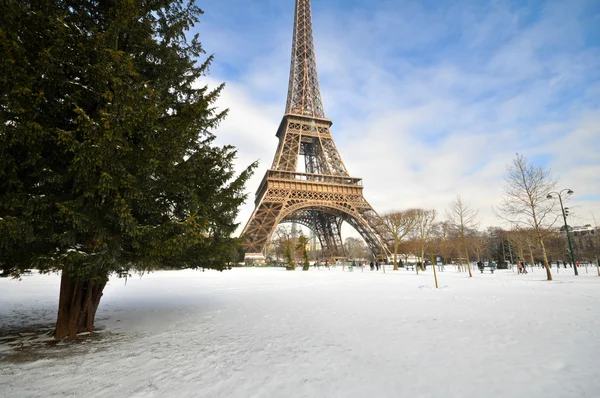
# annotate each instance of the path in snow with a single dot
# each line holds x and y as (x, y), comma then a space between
(323, 333)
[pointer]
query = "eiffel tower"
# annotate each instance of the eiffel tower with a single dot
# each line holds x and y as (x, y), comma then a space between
(324, 195)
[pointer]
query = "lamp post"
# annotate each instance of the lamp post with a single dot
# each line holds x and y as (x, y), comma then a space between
(569, 192)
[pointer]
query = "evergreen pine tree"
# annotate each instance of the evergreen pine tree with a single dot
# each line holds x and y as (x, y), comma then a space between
(107, 162)
(290, 265)
(303, 252)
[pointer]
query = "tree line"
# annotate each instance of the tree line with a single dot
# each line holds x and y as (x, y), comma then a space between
(527, 206)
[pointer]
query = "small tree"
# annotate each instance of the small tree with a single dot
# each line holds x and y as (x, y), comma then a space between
(463, 218)
(408, 247)
(399, 224)
(301, 249)
(356, 248)
(479, 242)
(285, 246)
(282, 238)
(424, 229)
(290, 264)
(444, 240)
(525, 203)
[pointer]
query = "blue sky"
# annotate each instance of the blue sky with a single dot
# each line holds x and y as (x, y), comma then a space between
(429, 99)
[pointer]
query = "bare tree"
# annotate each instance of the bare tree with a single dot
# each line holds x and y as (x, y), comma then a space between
(443, 240)
(525, 202)
(479, 242)
(285, 244)
(271, 251)
(408, 248)
(463, 218)
(356, 248)
(399, 224)
(424, 228)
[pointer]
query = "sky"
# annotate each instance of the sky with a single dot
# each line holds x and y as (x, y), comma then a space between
(429, 99)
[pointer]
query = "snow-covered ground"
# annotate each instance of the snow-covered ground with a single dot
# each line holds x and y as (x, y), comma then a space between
(323, 333)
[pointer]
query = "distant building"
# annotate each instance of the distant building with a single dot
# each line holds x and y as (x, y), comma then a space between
(586, 241)
(586, 230)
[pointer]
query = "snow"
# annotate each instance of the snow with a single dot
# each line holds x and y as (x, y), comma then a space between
(264, 332)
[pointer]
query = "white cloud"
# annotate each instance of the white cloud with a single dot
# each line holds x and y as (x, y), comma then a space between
(421, 134)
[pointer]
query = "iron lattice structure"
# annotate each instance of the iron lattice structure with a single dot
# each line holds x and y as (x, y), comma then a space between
(324, 195)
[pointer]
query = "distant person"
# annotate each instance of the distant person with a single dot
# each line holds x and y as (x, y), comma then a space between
(372, 266)
(524, 265)
(377, 265)
(480, 266)
(520, 267)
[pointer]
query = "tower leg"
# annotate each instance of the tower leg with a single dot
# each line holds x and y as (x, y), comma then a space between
(260, 227)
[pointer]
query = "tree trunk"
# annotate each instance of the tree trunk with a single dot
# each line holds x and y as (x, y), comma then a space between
(532, 259)
(467, 257)
(433, 264)
(417, 267)
(395, 256)
(78, 302)
(422, 261)
(469, 267)
(545, 254)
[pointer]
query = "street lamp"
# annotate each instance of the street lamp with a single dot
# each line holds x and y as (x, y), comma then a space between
(569, 192)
